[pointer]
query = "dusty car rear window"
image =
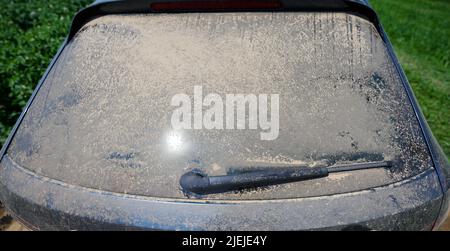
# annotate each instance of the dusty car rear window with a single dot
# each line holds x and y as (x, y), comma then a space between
(102, 118)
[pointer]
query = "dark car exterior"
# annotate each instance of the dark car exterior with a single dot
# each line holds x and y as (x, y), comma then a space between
(93, 150)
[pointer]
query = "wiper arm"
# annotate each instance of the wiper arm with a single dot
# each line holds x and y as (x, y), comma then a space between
(199, 183)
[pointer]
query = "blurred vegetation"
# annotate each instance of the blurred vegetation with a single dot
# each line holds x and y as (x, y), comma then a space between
(420, 33)
(32, 30)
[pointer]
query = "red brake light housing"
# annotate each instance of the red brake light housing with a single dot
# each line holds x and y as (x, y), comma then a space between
(215, 5)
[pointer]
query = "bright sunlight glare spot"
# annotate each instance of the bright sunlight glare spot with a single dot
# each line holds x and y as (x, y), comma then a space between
(174, 141)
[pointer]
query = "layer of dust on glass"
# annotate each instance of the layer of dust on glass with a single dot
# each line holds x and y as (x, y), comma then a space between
(103, 116)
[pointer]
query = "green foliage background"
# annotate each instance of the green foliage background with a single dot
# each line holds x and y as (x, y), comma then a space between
(32, 30)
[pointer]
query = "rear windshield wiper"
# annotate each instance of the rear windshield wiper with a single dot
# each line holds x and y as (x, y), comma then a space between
(199, 183)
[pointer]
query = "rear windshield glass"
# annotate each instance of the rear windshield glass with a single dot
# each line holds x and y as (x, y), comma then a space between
(135, 101)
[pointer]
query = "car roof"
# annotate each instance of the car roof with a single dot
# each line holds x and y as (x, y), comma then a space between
(365, 2)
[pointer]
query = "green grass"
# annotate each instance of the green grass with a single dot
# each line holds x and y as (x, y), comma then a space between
(420, 33)
(32, 30)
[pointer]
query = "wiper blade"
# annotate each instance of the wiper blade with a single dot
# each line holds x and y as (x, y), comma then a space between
(199, 183)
